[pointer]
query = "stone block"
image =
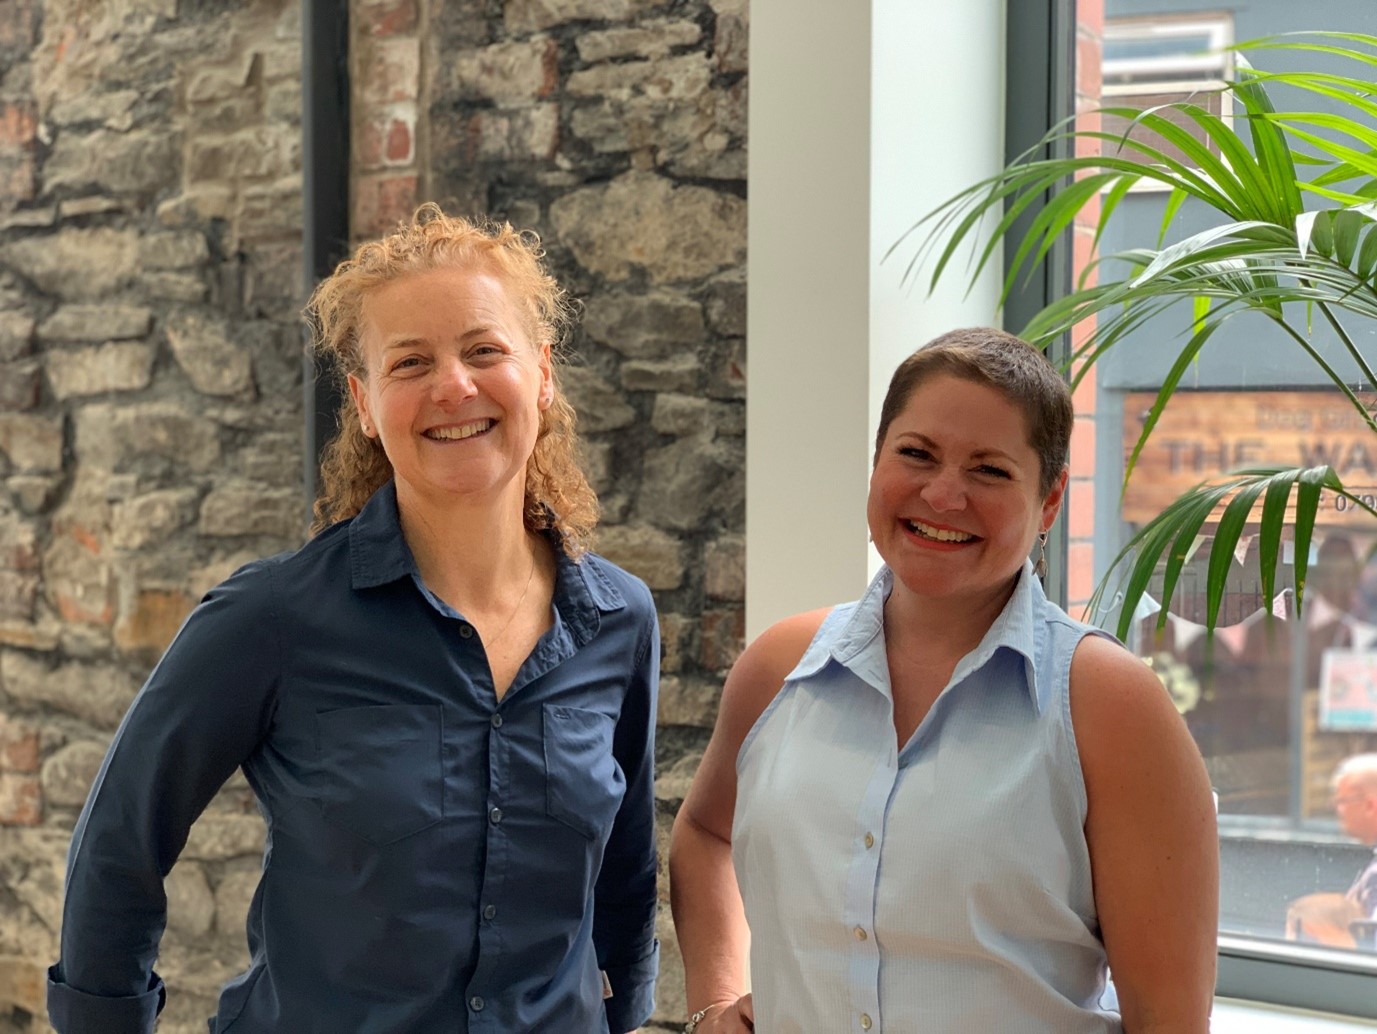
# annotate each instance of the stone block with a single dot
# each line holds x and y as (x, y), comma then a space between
(196, 204)
(595, 459)
(724, 575)
(207, 354)
(511, 135)
(510, 74)
(654, 325)
(212, 83)
(683, 483)
(16, 335)
(111, 108)
(18, 594)
(23, 985)
(42, 636)
(672, 784)
(271, 459)
(85, 322)
(149, 621)
(236, 510)
(75, 263)
(259, 152)
(217, 836)
(641, 220)
(141, 163)
(173, 251)
(21, 799)
(152, 517)
(533, 15)
(674, 633)
(233, 894)
(280, 59)
(727, 375)
(282, 102)
(80, 207)
(731, 38)
(96, 693)
(175, 287)
(69, 771)
(18, 543)
(190, 903)
(155, 435)
(722, 637)
(600, 406)
(648, 553)
(681, 414)
(654, 38)
(78, 578)
(679, 77)
(724, 302)
(680, 374)
(28, 218)
(34, 492)
(31, 443)
(21, 385)
(105, 368)
(688, 701)
(19, 745)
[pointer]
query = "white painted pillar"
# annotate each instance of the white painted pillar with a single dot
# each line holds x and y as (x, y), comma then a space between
(863, 116)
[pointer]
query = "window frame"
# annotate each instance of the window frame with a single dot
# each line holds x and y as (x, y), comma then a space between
(1040, 92)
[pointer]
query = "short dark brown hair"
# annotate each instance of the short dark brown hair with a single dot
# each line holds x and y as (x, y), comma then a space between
(1014, 368)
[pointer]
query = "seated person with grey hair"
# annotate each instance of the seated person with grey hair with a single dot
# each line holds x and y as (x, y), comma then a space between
(1355, 802)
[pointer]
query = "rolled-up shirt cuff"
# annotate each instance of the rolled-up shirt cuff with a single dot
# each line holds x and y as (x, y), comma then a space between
(76, 1012)
(633, 992)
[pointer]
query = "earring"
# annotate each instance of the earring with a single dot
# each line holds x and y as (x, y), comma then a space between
(1040, 565)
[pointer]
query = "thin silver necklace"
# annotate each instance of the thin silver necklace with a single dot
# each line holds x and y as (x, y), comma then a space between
(530, 577)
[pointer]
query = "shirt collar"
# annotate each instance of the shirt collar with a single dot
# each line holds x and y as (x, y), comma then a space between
(857, 642)
(378, 554)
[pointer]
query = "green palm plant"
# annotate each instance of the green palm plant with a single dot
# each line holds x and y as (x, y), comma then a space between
(1268, 254)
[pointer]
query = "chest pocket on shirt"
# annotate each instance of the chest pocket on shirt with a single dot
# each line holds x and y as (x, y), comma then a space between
(380, 769)
(584, 784)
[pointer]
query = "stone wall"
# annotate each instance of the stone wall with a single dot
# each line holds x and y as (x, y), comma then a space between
(150, 419)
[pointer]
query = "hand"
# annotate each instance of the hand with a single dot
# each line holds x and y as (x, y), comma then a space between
(728, 1018)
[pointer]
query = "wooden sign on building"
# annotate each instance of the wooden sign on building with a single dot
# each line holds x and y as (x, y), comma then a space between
(1203, 434)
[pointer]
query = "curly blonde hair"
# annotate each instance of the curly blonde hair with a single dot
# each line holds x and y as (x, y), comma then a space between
(354, 465)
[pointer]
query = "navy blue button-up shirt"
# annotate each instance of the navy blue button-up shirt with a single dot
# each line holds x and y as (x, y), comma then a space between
(437, 860)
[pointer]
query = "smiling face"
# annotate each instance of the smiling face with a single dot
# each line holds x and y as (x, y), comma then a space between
(954, 501)
(452, 385)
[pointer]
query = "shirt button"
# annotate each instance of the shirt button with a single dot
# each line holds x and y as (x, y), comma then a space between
(490, 912)
(497, 721)
(476, 1003)
(869, 840)
(466, 632)
(865, 1020)
(860, 933)
(495, 816)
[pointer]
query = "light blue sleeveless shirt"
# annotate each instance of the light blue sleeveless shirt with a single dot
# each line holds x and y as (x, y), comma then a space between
(941, 888)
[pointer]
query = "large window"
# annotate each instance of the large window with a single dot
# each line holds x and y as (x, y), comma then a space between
(1152, 62)
(1276, 700)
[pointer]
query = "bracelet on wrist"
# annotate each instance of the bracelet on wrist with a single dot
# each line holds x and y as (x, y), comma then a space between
(694, 1020)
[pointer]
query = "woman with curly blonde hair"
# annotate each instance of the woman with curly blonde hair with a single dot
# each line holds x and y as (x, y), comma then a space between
(444, 702)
